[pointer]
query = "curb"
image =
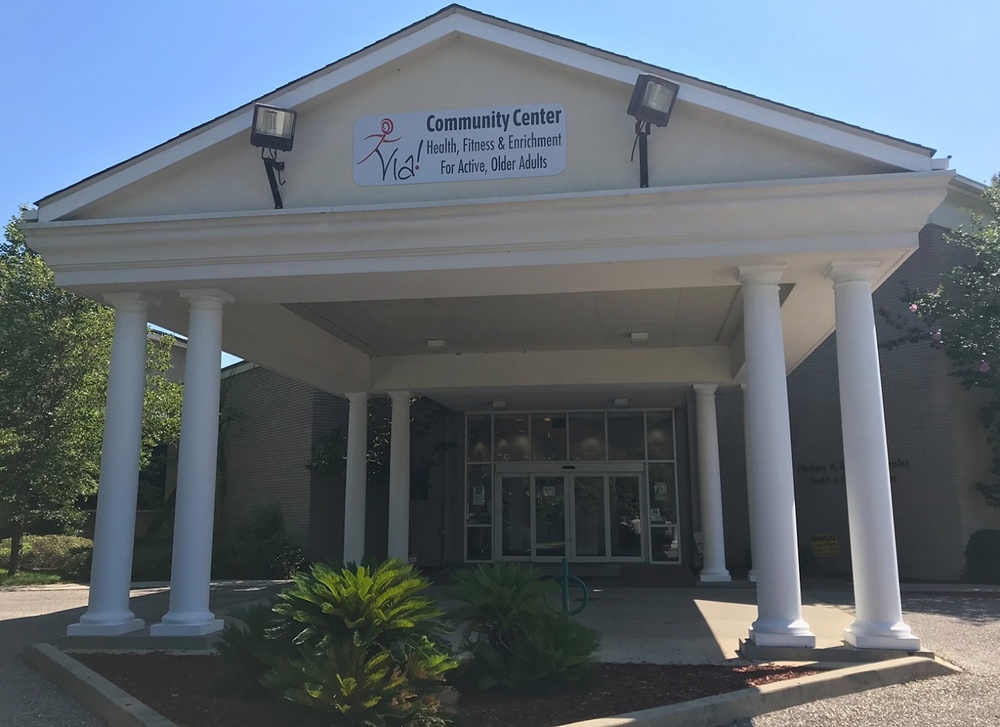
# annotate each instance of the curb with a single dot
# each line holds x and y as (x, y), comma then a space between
(110, 703)
(725, 708)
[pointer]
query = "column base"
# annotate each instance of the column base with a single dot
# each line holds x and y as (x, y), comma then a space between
(717, 577)
(105, 629)
(186, 629)
(899, 638)
(782, 633)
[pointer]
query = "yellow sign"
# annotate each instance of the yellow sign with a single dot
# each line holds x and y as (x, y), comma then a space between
(825, 546)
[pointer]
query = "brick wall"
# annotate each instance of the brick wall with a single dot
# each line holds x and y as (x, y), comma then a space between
(267, 444)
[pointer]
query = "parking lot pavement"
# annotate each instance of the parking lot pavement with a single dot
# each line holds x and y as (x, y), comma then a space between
(27, 616)
(963, 630)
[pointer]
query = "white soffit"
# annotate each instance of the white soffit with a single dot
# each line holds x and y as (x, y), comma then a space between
(459, 20)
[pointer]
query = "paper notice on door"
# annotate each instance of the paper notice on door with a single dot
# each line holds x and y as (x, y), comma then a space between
(479, 495)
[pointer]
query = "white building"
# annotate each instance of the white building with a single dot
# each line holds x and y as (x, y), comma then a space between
(462, 220)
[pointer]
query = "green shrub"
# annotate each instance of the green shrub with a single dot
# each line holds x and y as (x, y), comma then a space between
(248, 650)
(78, 566)
(45, 552)
(515, 639)
(261, 550)
(354, 645)
(151, 560)
(982, 557)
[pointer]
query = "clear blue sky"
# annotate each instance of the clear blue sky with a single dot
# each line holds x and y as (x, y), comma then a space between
(89, 84)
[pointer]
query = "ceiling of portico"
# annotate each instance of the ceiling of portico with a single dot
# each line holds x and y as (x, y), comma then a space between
(704, 316)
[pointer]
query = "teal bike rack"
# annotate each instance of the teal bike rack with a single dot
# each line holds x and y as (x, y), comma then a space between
(565, 578)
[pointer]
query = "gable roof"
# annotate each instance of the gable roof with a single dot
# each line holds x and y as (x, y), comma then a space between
(455, 19)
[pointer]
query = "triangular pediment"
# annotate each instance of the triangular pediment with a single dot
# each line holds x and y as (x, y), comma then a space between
(456, 67)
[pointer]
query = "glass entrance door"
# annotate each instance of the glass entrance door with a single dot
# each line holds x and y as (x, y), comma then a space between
(549, 516)
(590, 518)
(583, 516)
(515, 521)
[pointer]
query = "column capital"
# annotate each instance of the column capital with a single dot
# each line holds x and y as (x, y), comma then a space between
(206, 297)
(760, 274)
(399, 395)
(357, 397)
(846, 272)
(705, 389)
(132, 301)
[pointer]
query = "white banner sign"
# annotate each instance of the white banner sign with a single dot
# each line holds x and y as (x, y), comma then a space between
(500, 142)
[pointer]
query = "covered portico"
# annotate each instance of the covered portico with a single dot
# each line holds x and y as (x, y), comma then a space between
(519, 290)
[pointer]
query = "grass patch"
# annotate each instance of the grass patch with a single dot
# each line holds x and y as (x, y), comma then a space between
(27, 578)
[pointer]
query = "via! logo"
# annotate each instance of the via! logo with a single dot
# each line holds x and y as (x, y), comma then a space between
(400, 171)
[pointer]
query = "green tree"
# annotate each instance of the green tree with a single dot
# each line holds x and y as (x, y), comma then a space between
(961, 317)
(54, 353)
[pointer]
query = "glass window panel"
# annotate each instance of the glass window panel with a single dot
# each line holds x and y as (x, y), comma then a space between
(586, 437)
(515, 494)
(663, 542)
(625, 436)
(548, 437)
(510, 437)
(588, 503)
(626, 535)
(660, 434)
(478, 438)
(479, 496)
(479, 543)
(662, 499)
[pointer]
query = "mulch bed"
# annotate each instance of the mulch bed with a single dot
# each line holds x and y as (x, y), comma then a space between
(180, 688)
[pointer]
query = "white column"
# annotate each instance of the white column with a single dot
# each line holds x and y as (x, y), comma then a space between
(399, 477)
(108, 611)
(194, 514)
(879, 621)
(747, 450)
(779, 602)
(357, 472)
(710, 488)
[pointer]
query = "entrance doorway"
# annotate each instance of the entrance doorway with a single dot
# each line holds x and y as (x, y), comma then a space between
(584, 516)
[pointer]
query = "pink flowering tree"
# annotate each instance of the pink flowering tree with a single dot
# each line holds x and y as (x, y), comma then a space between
(961, 317)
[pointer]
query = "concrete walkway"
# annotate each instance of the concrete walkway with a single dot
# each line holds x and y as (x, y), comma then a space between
(689, 626)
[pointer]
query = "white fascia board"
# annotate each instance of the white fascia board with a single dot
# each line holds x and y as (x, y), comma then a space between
(758, 111)
(602, 367)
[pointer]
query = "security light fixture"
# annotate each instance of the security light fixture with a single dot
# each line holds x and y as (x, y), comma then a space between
(273, 130)
(621, 403)
(651, 103)
(638, 338)
(436, 344)
(499, 404)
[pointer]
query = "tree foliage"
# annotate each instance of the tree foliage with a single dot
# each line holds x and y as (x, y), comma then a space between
(54, 353)
(961, 317)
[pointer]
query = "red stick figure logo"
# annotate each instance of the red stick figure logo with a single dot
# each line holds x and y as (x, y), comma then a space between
(386, 127)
